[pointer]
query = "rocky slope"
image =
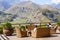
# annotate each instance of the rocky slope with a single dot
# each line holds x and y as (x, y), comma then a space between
(29, 12)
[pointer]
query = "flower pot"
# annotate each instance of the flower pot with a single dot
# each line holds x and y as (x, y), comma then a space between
(7, 31)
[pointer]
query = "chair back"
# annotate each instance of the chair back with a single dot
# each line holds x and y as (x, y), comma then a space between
(18, 32)
(30, 27)
(41, 32)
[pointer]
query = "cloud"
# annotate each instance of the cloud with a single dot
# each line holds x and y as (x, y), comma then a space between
(27, 0)
(46, 1)
(56, 1)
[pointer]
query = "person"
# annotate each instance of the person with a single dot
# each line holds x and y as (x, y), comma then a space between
(47, 25)
(35, 28)
(50, 25)
(28, 31)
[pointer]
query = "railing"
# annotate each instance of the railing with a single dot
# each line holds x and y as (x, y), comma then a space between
(3, 37)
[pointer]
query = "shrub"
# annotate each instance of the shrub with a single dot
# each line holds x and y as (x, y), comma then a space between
(23, 28)
(58, 23)
(1, 29)
(7, 26)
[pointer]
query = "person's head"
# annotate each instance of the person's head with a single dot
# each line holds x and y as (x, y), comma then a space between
(49, 23)
(36, 26)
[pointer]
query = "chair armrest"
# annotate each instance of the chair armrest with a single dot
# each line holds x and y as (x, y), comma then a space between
(33, 33)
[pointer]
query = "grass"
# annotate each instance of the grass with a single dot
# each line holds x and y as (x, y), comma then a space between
(22, 20)
(19, 21)
(42, 26)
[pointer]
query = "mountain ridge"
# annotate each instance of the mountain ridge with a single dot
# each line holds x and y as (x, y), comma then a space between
(29, 12)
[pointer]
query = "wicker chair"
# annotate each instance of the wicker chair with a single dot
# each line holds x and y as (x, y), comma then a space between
(53, 30)
(20, 33)
(41, 32)
(30, 27)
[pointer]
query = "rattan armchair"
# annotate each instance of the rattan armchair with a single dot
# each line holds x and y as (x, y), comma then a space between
(20, 33)
(41, 32)
(30, 27)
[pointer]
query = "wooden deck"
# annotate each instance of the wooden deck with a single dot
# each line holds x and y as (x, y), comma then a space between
(53, 37)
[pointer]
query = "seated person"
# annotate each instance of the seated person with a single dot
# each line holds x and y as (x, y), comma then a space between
(50, 25)
(47, 25)
(28, 32)
(53, 26)
(35, 28)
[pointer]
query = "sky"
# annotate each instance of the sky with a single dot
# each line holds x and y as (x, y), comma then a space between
(46, 1)
(37, 1)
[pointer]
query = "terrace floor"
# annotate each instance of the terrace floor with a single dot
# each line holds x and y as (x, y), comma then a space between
(53, 37)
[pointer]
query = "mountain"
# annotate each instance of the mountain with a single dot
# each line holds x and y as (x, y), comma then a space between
(8, 3)
(4, 17)
(51, 12)
(56, 5)
(1, 8)
(29, 12)
(4, 4)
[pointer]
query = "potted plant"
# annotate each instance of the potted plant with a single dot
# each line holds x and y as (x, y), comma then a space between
(8, 29)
